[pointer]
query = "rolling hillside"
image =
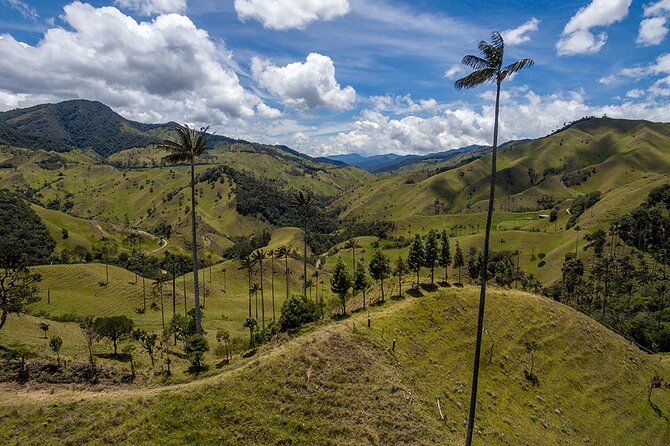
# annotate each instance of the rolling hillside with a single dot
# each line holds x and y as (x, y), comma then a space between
(342, 384)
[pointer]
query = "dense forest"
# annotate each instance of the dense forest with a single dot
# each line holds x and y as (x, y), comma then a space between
(22, 229)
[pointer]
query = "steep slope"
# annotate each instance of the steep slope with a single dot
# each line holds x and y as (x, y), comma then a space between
(342, 384)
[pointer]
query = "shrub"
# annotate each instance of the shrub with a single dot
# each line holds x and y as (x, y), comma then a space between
(195, 349)
(296, 311)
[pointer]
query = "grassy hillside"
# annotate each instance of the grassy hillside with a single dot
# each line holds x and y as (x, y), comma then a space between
(342, 384)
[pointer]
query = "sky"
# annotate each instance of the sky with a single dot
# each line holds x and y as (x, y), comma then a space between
(340, 76)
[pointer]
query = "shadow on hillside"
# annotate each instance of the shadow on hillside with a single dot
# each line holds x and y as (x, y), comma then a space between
(658, 410)
(444, 284)
(430, 287)
(123, 357)
(414, 292)
(397, 297)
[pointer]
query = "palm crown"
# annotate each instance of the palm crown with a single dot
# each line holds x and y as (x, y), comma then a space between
(190, 144)
(489, 67)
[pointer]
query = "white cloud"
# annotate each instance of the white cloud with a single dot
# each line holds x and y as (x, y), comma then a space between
(577, 37)
(268, 112)
(608, 80)
(635, 93)
(454, 71)
(287, 14)
(658, 8)
(517, 36)
(151, 71)
(524, 114)
(304, 86)
(654, 27)
(652, 31)
(151, 7)
(403, 104)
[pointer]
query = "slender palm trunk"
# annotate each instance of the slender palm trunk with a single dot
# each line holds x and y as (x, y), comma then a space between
(262, 301)
(144, 294)
(249, 275)
(185, 309)
(174, 292)
(160, 291)
(194, 253)
(286, 271)
(304, 263)
(272, 284)
(482, 293)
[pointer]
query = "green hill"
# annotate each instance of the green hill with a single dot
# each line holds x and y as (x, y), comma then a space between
(342, 384)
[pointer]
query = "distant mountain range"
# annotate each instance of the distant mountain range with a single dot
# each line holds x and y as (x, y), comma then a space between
(389, 162)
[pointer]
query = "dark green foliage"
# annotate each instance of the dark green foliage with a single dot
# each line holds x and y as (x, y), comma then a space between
(55, 344)
(17, 284)
(183, 326)
(445, 254)
(416, 256)
(459, 260)
(581, 204)
(431, 253)
(546, 202)
(553, 215)
(244, 245)
(23, 230)
(296, 311)
(195, 349)
(113, 328)
(340, 283)
(648, 227)
(380, 269)
(577, 177)
(76, 124)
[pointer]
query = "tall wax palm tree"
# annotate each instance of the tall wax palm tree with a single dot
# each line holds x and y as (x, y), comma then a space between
(247, 263)
(284, 251)
(253, 291)
(190, 144)
(272, 281)
(303, 201)
(258, 257)
(487, 68)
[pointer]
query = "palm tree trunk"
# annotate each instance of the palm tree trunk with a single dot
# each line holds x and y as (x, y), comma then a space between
(262, 301)
(272, 284)
(286, 271)
(304, 267)
(482, 293)
(194, 253)
(174, 291)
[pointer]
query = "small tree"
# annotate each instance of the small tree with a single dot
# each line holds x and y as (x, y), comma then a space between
(459, 260)
(296, 311)
(415, 258)
(17, 283)
(195, 349)
(148, 342)
(531, 348)
(445, 254)
(90, 334)
(223, 335)
(340, 284)
(252, 324)
(361, 282)
(129, 349)
(431, 254)
(55, 344)
(399, 271)
(113, 328)
(655, 383)
(380, 269)
(44, 327)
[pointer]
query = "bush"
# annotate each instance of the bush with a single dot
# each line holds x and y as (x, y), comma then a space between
(296, 311)
(195, 349)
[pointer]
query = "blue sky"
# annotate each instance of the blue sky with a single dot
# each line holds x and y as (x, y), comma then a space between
(339, 76)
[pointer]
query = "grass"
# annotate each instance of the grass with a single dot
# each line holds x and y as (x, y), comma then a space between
(342, 384)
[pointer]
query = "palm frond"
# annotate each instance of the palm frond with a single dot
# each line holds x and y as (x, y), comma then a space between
(497, 41)
(476, 78)
(475, 62)
(189, 144)
(519, 65)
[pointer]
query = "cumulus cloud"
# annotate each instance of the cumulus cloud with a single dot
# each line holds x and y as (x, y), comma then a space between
(151, 7)
(151, 71)
(287, 14)
(524, 114)
(577, 37)
(654, 27)
(304, 86)
(400, 105)
(517, 36)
